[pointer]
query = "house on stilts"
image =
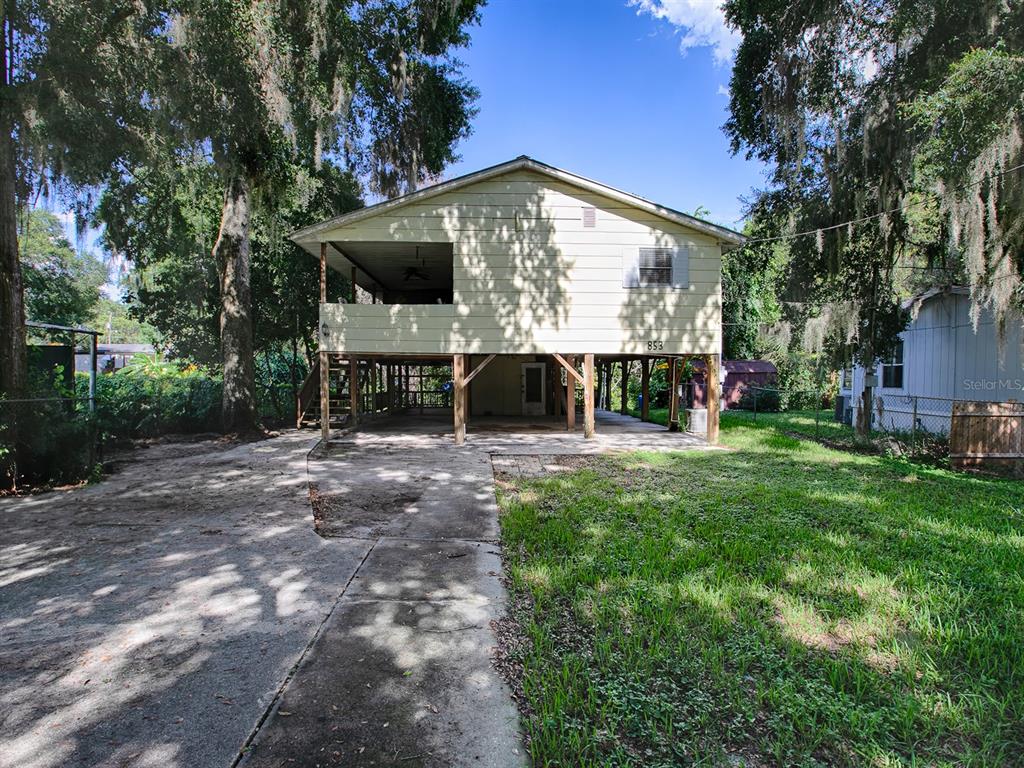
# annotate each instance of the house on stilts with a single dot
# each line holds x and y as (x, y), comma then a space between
(527, 281)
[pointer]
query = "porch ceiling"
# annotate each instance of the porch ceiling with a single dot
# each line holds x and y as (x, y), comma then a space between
(395, 266)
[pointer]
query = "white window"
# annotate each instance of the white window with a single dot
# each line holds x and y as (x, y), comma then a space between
(892, 369)
(647, 267)
(655, 266)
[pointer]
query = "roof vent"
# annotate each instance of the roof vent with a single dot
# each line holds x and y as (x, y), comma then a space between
(589, 217)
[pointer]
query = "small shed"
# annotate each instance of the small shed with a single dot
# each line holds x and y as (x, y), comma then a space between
(737, 376)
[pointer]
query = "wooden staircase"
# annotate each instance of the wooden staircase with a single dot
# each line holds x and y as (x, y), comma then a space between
(307, 406)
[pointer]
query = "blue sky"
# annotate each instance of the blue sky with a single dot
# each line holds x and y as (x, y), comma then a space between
(628, 95)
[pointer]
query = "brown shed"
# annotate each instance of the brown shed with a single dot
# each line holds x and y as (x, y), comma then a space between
(737, 375)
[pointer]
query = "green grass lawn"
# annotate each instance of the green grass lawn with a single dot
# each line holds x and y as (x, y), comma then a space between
(818, 424)
(781, 603)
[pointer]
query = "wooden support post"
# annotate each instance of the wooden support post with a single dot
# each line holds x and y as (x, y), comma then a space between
(556, 389)
(588, 395)
(673, 397)
(645, 389)
(607, 386)
(325, 397)
(624, 386)
(373, 386)
(570, 395)
(353, 390)
(323, 273)
(353, 273)
(711, 366)
(459, 406)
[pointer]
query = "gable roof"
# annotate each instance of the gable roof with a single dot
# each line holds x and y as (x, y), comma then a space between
(308, 235)
(918, 299)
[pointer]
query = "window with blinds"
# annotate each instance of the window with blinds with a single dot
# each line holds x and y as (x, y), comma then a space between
(655, 266)
(645, 267)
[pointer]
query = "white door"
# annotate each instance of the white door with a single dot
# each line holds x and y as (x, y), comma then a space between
(533, 389)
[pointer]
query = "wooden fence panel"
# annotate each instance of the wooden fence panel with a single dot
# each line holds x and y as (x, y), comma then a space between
(987, 435)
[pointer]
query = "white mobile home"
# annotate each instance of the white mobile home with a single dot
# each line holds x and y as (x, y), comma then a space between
(942, 357)
(514, 274)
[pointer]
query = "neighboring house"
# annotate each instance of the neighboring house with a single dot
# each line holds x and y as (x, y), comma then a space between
(941, 358)
(506, 270)
(112, 357)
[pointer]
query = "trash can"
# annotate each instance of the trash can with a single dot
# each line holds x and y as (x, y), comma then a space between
(697, 420)
(639, 402)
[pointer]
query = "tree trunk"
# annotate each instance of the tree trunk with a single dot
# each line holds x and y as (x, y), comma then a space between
(236, 346)
(13, 364)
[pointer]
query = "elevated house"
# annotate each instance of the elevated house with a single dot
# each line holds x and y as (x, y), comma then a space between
(522, 277)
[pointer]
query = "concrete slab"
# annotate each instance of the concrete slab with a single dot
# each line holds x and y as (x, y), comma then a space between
(396, 683)
(151, 619)
(415, 569)
(416, 487)
(156, 618)
(402, 673)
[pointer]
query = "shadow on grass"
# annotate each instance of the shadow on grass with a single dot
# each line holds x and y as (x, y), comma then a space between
(781, 603)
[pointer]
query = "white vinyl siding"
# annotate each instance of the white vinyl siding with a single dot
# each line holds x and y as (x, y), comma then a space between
(529, 277)
(945, 358)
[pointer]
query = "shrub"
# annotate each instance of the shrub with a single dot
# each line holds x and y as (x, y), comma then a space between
(131, 403)
(53, 445)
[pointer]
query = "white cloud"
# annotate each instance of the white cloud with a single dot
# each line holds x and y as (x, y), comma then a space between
(701, 22)
(723, 90)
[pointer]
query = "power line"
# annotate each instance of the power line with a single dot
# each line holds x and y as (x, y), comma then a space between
(821, 230)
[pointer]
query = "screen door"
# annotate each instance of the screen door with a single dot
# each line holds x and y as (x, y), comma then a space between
(533, 389)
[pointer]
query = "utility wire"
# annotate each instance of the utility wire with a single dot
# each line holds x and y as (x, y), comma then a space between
(821, 230)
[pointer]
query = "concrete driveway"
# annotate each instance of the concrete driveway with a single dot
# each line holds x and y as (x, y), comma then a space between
(151, 619)
(184, 612)
(403, 674)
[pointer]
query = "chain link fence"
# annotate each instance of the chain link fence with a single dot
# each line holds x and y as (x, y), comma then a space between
(904, 424)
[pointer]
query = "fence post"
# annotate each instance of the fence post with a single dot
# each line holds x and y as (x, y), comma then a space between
(92, 373)
(913, 427)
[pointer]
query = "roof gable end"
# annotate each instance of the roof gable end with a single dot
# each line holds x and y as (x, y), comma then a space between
(310, 234)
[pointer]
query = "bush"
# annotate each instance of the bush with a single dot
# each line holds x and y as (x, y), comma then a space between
(54, 445)
(131, 403)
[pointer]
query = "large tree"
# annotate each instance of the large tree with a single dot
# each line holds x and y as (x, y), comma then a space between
(70, 107)
(163, 221)
(71, 90)
(261, 87)
(853, 105)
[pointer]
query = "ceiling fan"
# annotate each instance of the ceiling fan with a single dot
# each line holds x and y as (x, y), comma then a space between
(417, 272)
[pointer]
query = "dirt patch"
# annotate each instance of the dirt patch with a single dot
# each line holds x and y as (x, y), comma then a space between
(508, 467)
(359, 513)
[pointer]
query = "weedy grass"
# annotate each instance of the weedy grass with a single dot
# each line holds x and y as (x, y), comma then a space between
(781, 603)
